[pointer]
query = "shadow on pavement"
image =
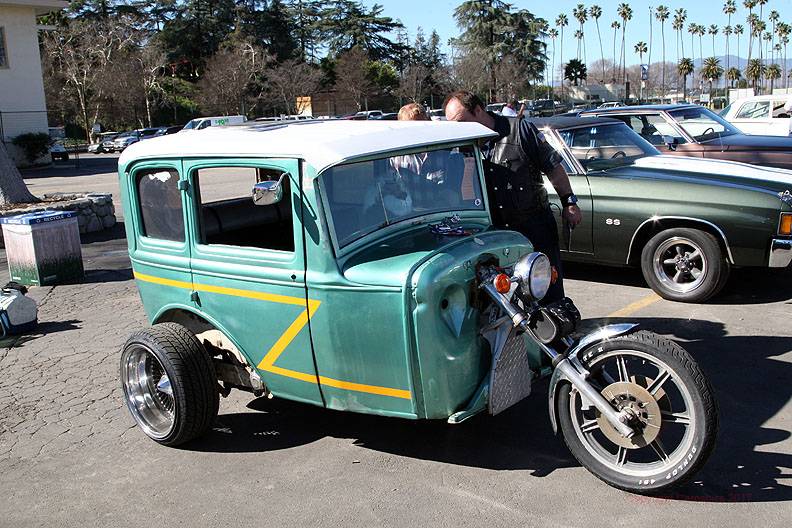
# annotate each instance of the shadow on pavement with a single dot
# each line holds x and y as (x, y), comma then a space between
(83, 165)
(41, 330)
(745, 286)
(751, 387)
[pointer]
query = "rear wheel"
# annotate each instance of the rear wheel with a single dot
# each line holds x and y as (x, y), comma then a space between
(169, 383)
(656, 382)
(683, 264)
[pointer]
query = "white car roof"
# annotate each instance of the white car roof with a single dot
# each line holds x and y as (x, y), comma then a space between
(777, 97)
(320, 143)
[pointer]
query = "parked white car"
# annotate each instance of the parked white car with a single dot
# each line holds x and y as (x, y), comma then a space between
(764, 115)
(203, 122)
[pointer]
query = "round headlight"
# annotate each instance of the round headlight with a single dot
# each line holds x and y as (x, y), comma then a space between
(534, 274)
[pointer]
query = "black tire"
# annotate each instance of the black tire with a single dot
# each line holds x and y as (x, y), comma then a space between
(191, 375)
(693, 451)
(682, 243)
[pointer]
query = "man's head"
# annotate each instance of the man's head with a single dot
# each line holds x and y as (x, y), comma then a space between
(514, 104)
(413, 112)
(467, 107)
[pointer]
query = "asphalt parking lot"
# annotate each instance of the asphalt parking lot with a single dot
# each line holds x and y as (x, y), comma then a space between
(70, 453)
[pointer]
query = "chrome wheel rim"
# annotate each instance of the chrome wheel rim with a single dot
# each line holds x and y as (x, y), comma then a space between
(148, 391)
(680, 264)
(652, 451)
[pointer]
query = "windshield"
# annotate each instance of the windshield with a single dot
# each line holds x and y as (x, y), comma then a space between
(604, 146)
(702, 124)
(191, 124)
(366, 196)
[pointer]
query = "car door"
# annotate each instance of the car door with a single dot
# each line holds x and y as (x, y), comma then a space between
(248, 268)
(753, 117)
(160, 246)
(579, 240)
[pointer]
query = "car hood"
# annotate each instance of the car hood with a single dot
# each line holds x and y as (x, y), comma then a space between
(727, 172)
(736, 142)
(391, 261)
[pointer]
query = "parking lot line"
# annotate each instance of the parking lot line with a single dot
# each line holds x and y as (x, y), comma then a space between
(635, 306)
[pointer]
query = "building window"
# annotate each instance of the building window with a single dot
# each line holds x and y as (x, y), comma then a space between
(3, 49)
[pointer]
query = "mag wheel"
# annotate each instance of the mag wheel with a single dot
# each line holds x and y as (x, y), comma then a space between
(169, 383)
(684, 264)
(671, 406)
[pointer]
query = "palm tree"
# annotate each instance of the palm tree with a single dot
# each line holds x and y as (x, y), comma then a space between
(713, 30)
(738, 30)
(575, 71)
(774, 18)
(680, 15)
(615, 26)
(701, 30)
(712, 71)
(773, 73)
(641, 48)
(754, 71)
(595, 12)
(562, 21)
(581, 15)
(578, 36)
(685, 67)
(661, 14)
(751, 22)
(784, 30)
(553, 34)
(750, 4)
(733, 75)
(729, 8)
(625, 12)
(693, 30)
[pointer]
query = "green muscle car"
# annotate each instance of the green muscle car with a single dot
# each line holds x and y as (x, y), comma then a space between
(684, 221)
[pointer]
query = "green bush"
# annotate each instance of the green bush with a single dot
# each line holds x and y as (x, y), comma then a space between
(33, 144)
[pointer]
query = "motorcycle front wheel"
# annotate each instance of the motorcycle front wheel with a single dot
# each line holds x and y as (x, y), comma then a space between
(671, 403)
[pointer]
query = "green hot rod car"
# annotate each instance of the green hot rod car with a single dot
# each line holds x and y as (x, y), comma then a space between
(354, 266)
(684, 221)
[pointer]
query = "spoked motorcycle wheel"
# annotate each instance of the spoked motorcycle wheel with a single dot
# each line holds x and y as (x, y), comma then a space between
(671, 404)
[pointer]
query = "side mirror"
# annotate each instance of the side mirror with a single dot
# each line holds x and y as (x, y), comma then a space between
(268, 192)
(671, 142)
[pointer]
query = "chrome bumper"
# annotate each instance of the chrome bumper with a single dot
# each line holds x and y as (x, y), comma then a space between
(780, 253)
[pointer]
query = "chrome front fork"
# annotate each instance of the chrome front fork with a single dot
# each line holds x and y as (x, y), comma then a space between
(574, 372)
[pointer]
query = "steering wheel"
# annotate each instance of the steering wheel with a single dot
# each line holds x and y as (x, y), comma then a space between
(709, 130)
(619, 154)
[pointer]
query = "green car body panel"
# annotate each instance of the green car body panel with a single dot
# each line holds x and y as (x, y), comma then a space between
(389, 326)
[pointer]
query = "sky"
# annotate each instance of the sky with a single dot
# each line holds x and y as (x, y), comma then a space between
(438, 15)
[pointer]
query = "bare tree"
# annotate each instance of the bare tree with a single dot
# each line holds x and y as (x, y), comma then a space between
(352, 75)
(413, 85)
(228, 85)
(292, 79)
(151, 61)
(12, 186)
(467, 73)
(82, 51)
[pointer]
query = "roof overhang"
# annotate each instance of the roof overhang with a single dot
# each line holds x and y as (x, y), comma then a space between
(41, 7)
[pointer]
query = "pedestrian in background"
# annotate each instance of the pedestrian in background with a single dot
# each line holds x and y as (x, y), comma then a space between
(413, 112)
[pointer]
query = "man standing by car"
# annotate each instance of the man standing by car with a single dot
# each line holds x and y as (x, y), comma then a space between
(513, 164)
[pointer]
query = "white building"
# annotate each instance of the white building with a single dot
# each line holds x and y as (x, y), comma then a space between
(22, 105)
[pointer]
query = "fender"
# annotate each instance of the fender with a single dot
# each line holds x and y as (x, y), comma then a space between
(601, 335)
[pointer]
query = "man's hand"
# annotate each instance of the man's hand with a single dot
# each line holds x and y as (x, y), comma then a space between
(572, 215)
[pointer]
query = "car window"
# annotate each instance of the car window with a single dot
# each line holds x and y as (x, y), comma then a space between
(754, 110)
(204, 124)
(365, 196)
(702, 124)
(605, 146)
(228, 216)
(160, 203)
(781, 109)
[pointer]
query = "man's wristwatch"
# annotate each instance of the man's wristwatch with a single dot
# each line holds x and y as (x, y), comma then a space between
(569, 199)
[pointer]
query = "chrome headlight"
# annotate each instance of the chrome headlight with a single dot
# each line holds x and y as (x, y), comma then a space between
(534, 274)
